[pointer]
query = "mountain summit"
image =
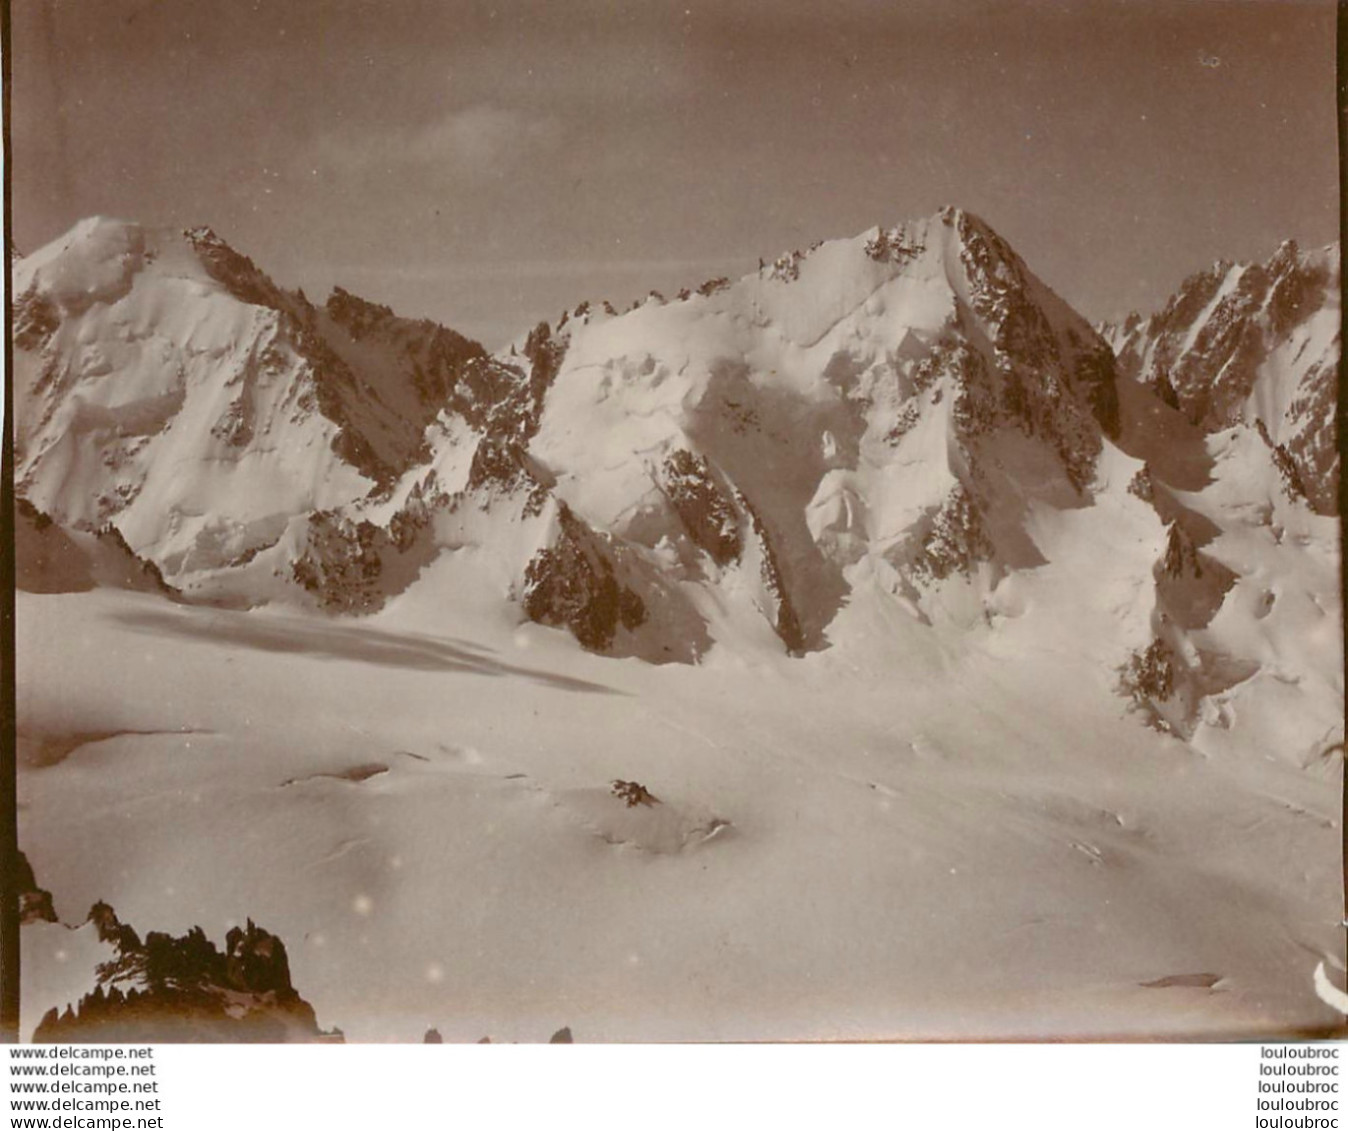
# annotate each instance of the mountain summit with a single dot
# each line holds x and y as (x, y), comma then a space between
(898, 398)
(1256, 344)
(167, 387)
(907, 420)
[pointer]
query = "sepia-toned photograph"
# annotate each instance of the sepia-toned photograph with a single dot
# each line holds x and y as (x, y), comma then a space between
(609, 521)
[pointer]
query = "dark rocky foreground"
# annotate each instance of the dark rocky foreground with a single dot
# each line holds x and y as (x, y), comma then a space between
(186, 990)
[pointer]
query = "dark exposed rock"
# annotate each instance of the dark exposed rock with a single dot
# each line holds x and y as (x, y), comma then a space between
(561, 1037)
(49, 559)
(1097, 376)
(1298, 291)
(1313, 448)
(908, 417)
(35, 903)
(238, 274)
(1171, 679)
(572, 584)
(25, 509)
(1143, 485)
(114, 538)
(1192, 298)
(503, 403)
(112, 930)
(956, 541)
(783, 616)
(46, 558)
(340, 563)
(501, 462)
(433, 1037)
(893, 245)
(1148, 678)
(634, 794)
(433, 358)
(1064, 392)
(786, 267)
(255, 961)
(408, 521)
(335, 389)
(184, 989)
(1190, 585)
(235, 426)
(706, 513)
(337, 395)
(381, 414)
(35, 319)
(359, 316)
(352, 565)
(1164, 388)
(1181, 557)
(1284, 462)
(1204, 354)
(544, 353)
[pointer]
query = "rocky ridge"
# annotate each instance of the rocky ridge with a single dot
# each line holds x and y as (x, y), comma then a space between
(185, 989)
(1253, 344)
(905, 410)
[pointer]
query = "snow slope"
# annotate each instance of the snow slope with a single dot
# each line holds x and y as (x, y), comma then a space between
(168, 388)
(1256, 344)
(923, 835)
(155, 398)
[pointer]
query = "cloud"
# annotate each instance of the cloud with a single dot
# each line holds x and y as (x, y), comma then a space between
(479, 142)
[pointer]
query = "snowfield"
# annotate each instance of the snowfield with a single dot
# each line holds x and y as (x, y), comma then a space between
(911, 838)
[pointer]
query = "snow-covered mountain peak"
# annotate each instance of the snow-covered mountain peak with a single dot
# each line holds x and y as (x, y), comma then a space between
(99, 260)
(168, 386)
(1254, 344)
(929, 265)
(891, 402)
(93, 262)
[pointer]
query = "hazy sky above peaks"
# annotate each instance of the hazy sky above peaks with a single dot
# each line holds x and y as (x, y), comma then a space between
(488, 164)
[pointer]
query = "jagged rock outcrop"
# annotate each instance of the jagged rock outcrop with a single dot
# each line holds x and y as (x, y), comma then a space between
(35, 903)
(1057, 381)
(573, 583)
(502, 463)
(779, 610)
(184, 989)
(341, 563)
(49, 559)
(1244, 359)
(702, 506)
(1148, 679)
(1253, 344)
(954, 542)
(35, 319)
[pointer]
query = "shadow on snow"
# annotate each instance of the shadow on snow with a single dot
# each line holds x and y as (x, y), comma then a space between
(356, 643)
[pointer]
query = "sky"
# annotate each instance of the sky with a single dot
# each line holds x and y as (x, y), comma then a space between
(490, 164)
